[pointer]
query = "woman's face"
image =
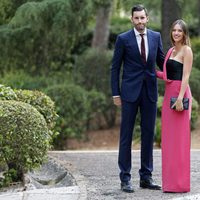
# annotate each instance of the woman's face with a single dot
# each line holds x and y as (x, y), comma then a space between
(177, 34)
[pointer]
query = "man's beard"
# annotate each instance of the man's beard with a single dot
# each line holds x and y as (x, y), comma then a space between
(141, 27)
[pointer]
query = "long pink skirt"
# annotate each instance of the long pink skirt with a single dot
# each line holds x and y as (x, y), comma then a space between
(175, 142)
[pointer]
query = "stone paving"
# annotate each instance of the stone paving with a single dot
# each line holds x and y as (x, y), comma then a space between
(63, 193)
(96, 178)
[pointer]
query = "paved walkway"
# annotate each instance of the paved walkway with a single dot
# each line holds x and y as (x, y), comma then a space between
(64, 193)
(96, 174)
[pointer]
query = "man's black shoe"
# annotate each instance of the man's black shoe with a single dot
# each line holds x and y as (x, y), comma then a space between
(148, 184)
(127, 187)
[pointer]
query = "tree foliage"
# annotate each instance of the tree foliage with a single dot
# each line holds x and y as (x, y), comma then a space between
(8, 8)
(102, 3)
(47, 36)
(42, 34)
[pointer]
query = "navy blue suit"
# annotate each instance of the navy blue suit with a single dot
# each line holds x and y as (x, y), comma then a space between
(138, 90)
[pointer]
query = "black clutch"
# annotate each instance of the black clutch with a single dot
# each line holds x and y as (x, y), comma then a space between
(185, 103)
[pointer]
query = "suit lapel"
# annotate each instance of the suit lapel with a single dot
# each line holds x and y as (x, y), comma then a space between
(135, 44)
(150, 42)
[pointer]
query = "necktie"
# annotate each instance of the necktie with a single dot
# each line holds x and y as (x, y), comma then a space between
(143, 54)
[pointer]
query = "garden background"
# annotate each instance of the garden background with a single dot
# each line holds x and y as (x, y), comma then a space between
(64, 48)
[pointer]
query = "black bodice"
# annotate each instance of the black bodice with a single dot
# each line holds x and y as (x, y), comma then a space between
(174, 70)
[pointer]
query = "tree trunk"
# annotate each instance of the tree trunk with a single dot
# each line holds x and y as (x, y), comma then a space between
(198, 17)
(171, 11)
(101, 32)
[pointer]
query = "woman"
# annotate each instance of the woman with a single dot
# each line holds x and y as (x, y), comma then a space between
(175, 119)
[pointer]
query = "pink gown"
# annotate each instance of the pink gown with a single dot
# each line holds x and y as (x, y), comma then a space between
(175, 136)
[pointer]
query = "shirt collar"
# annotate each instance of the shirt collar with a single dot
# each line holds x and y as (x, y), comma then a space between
(138, 33)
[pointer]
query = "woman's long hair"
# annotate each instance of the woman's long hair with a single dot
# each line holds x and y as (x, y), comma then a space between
(183, 25)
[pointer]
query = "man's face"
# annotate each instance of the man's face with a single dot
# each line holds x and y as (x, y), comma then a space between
(139, 20)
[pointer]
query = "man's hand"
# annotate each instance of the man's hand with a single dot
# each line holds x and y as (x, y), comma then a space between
(117, 101)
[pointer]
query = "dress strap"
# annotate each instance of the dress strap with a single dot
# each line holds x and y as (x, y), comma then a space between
(164, 66)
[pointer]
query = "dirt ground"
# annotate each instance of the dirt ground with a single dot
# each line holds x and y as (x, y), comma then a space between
(108, 140)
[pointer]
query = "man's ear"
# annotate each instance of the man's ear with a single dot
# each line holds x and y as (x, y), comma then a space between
(131, 19)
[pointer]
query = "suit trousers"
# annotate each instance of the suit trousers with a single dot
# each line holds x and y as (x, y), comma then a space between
(129, 111)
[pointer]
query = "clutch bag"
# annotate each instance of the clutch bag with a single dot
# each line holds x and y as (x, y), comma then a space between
(185, 103)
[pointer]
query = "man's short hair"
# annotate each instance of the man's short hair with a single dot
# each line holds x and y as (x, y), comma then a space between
(139, 8)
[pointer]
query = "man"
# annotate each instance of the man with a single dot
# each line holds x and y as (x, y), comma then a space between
(139, 49)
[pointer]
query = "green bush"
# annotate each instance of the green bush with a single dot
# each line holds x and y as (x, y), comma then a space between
(195, 113)
(28, 120)
(24, 137)
(76, 108)
(37, 99)
(161, 87)
(41, 102)
(195, 41)
(72, 107)
(97, 102)
(159, 105)
(194, 83)
(195, 47)
(7, 93)
(20, 79)
(157, 137)
(196, 60)
(93, 69)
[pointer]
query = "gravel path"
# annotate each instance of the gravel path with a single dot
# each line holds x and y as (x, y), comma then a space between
(96, 173)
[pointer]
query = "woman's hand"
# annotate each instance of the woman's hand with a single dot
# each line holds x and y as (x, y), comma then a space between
(178, 104)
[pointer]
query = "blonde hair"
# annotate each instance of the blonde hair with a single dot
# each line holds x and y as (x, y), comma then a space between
(183, 25)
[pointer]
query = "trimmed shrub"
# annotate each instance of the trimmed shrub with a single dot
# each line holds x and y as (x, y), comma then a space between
(37, 99)
(24, 137)
(41, 102)
(28, 119)
(7, 93)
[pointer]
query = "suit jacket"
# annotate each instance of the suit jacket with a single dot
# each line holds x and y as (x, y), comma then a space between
(135, 71)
